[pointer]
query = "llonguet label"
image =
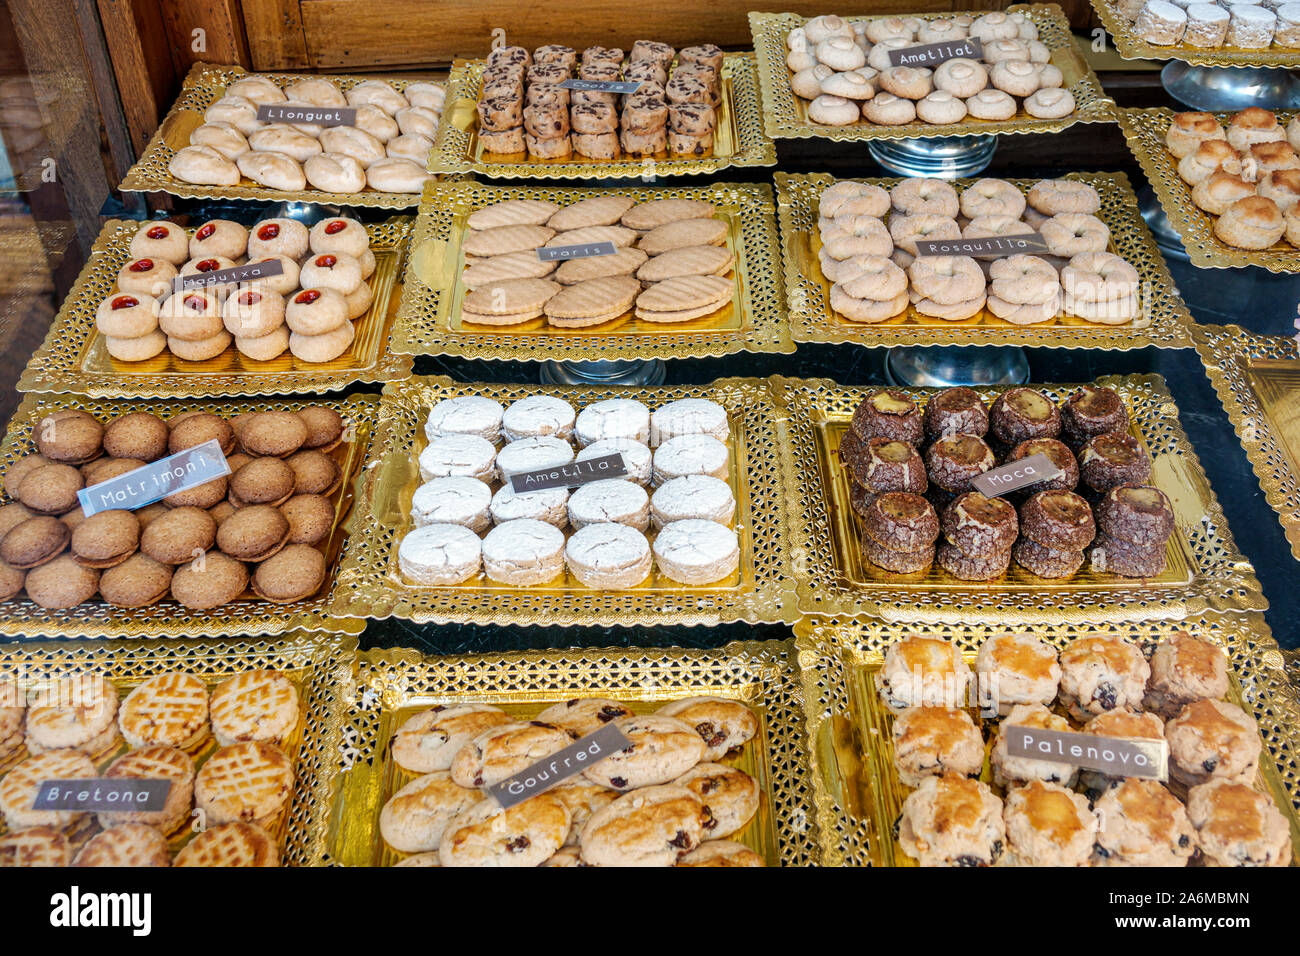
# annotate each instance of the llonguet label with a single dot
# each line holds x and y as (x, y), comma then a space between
(1113, 756)
(572, 475)
(602, 86)
(303, 113)
(993, 247)
(585, 251)
(117, 793)
(245, 273)
(932, 54)
(1016, 474)
(156, 480)
(559, 767)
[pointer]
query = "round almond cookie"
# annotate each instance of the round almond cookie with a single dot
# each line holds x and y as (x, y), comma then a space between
(278, 237)
(584, 715)
(139, 581)
(724, 725)
(611, 500)
(219, 237)
(692, 496)
(166, 710)
(136, 435)
(538, 415)
(465, 415)
(253, 313)
(533, 454)
(526, 834)
(19, 787)
(154, 763)
(310, 517)
(316, 312)
(613, 418)
(210, 581)
(414, 819)
(126, 316)
(550, 505)
(524, 552)
(429, 740)
(608, 556)
(653, 826)
(339, 235)
(637, 459)
(74, 713)
(730, 796)
(249, 782)
(176, 536)
(689, 416)
(151, 277)
(691, 455)
(459, 454)
(504, 750)
(455, 499)
(230, 844)
(162, 240)
(662, 749)
(254, 705)
(34, 542)
(264, 348)
(696, 552)
(262, 481)
(293, 574)
(436, 555)
(314, 473)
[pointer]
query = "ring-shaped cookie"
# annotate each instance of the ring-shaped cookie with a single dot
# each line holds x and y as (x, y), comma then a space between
(925, 197)
(992, 197)
(866, 310)
(905, 230)
(1099, 276)
(869, 241)
(1070, 233)
(954, 312)
(946, 280)
(1052, 196)
(1023, 280)
(872, 277)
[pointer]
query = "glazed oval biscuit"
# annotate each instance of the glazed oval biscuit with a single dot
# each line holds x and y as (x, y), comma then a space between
(682, 233)
(273, 170)
(429, 740)
(203, 166)
(396, 176)
(687, 261)
(500, 240)
(512, 265)
(505, 750)
(654, 826)
(594, 211)
(619, 235)
(724, 725)
(513, 212)
(658, 212)
(662, 749)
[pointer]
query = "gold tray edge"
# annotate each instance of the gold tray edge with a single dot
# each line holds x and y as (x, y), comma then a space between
(1131, 47)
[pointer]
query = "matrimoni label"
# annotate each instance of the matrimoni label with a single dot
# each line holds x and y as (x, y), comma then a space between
(156, 480)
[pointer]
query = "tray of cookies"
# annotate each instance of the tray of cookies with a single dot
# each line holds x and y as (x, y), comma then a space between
(687, 271)
(142, 321)
(906, 721)
(602, 113)
(851, 273)
(897, 520)
(723, 731)
(690, 532)
(212, 145)
(831, 76)
(253, 551)
(1204, 33)
(246, 733)
(1228, 182)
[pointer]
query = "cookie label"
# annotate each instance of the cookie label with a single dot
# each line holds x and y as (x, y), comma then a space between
(299, 113)
(584, 251)
(602, 86)
(572, 475)
(560, 766)
(1113, 756)
(145, 795)
(992, 247)
(156, 480)
(249, 271)
(1016, 474)
(932, 54)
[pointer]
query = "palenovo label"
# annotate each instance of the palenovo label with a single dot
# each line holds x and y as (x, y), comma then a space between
(1016, 474)
(572, 475)
(304, 113)
(992, 247)
(559, 766)
(932, 54)
(602, 86)
(138, 795)
(583, 251)
(1113, 756)
(245, 273)
(156, 480)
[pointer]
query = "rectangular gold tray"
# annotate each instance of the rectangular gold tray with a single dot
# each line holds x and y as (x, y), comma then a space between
(205, 84)
(849, 729)
(1132, 47)
(785, 115)
(1205, 571)
(739, 140)
(1258, 381)
(395, 684)
(1163, 321)
(248, 615)
(1145, 131)
(74, 358)
(371, 585)
(429, 321)
(317, 666)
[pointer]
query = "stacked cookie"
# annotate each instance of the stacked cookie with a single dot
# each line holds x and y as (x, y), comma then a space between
(466, 471)
(1247, 176)
(667, 800)
(386, 149)
(867, 250)
(671, 262)
(272, 513)
(307, 309)
(842, 69)
(523, 108)
(1248, 25)
(221, 750)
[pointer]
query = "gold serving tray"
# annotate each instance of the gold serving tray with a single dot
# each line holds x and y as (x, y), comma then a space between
(1258, 381)
(429, 321)
(1163, 322)
(395, 684)
(248, 615)
(738, 141)
(850, 730)
(1205, 571)
(785, 116)
(370, 584)
(74, 358)
(205, 84)
(1132, 47)
(315, 665)
(1145, 131)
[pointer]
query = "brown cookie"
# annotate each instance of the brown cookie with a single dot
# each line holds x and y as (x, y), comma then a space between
(310, 518)
(277, 434)
(1060, 520)
(51, 489)
(178, 536)
(73, 518)
(70, 435)
(253, 533)
(137, 435)
(61, 583)
(137, 582)
(11, 581)
(293, 574)
(209, 582)
(200, 496)
(12, 515)
(221, 511)
(324, 427)
(149, 513)
(315, 473)
(105, 469)
(106, 539)
(263, 481)
(237, 461)
(20, 470)
(194, 429)
(889, 413)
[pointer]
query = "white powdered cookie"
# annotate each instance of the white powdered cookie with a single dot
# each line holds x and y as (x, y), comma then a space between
(608, 556)
(456, 499)
(690, 455)
(612, 500)
(533, 454)
(696, 552)
(454, 454)
(550, 505)
(440, 555)
(637, 459)
(465, 415)
(693, 496)
(524, 552)
(688, 416)
(613, 418)
(538, 415)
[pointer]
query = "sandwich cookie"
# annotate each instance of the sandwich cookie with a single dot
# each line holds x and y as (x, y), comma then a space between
(508, 302)
(295, 573)
(592, 301)
(687, 261)
(683, 298)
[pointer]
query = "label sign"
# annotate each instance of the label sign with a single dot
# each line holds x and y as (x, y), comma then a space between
(1113, 756)
(559, 766)
(585, 251)
(245, 273)
(156, 480)
(601, 86)
(1016, 474)
(932, 54)
(992, 247)
(303, 113)
(572, 475)
(144, 795)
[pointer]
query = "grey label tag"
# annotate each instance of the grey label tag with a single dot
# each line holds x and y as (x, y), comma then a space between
(156, 480)
(932, 54)
(559, 766)
(993, 247)
(572, 475)
(1113, 756)
(303, 113)
(147, 795)
(587, 251)
(245, 273)
(601, 86)
(1015, 474)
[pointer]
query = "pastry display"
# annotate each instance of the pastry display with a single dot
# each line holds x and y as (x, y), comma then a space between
(1227, 25)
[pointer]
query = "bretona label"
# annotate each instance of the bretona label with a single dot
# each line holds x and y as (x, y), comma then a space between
(117, 793)
(572, 475)
(932, 54)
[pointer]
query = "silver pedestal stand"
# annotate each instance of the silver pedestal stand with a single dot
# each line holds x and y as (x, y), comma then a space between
(938, 157)
(645, 372)
(1220, 89)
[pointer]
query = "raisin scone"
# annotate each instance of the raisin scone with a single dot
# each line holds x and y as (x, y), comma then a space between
(1142, 824)
(1212, 740)
(1048, 825)
(932, 741)
(662, 749)
(721, 853)
(1025, 668)
(952, 821)
(1126, 724)
(582, 798)
(730, 797)
(1008, 770)
(923, 670)
(506, 750)
(430, 740)
(654, 826)
(414, 818)
(527, 834)
(1238, 826)
(724, 725)
(583, 715)
(1185, 668)
(1100, 674)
